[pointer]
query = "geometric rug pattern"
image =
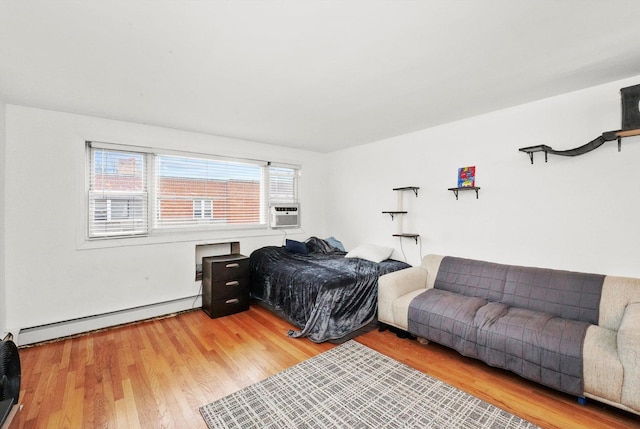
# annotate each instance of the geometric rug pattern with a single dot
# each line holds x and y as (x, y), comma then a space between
(353, 386)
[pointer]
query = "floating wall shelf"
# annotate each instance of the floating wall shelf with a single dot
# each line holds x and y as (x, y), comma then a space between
(466, 188)
(414, 236)
(399, 213)
(394, 213)
(408, 188)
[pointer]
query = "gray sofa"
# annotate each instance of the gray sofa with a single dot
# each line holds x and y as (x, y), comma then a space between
(575, 332)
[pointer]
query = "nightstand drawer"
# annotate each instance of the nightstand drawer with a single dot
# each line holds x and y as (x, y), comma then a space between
(222, 268)
(227, 306)
(224, 290)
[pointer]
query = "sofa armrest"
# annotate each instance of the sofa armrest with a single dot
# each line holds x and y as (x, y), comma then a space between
(394, 285)
(629, 352)
(402, 282)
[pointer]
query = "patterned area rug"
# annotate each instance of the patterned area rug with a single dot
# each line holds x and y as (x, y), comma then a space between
(353, 386)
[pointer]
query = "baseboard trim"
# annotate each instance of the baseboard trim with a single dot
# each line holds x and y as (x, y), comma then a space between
(51, 331)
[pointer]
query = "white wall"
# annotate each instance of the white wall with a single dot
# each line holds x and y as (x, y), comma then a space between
(53, 274)
(3, 300)
(570, 213)
(577, 213)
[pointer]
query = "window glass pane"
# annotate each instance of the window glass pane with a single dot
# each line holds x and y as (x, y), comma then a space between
(117, 194)
(100, 211)
(120, 208)
(195, 191)
(202, 209)
(283, 184)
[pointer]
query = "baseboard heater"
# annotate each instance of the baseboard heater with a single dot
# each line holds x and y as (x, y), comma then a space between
(80, 325)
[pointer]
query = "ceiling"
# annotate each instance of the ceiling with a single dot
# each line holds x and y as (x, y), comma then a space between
(316, 75)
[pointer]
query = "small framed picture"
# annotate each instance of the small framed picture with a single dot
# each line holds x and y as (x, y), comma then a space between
(467, 177)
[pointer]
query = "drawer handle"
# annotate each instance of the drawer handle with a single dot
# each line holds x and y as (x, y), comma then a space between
(233, 283)
(232, 301)
(234, 265)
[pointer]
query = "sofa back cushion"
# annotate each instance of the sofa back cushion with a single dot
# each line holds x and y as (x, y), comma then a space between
(472, 278)
(617, 294)
(564, 294)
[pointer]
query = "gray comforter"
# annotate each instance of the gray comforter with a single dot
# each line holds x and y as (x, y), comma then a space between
(324, 294)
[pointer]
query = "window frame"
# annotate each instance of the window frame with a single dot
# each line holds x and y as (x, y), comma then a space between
(203, 224)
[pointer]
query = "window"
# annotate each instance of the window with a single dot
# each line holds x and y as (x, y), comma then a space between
(114, 208)
(134, 192)
(191, 191)
(202, 209)
(117, 194)
(283, 184)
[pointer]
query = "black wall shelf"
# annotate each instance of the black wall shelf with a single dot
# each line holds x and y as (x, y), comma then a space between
(392, 214)
(585, 148)
(414, 236)
(399, 213)
(408, 188)
(630, 127)
(466, 188)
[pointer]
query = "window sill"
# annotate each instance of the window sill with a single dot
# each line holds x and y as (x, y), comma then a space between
(184, 236)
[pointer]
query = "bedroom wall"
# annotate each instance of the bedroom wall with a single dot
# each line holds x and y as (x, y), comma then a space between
(53, 274)
(3, 301)
(576, 213)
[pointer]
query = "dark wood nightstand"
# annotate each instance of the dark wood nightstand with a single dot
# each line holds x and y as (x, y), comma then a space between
(225, 285)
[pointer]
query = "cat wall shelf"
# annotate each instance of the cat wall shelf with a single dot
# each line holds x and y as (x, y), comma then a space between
(630, 127)
(399, 212)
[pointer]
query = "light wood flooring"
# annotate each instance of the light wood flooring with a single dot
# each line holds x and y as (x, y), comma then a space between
(156, 374)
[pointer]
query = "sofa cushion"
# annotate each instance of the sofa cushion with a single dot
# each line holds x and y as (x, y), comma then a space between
(446, 318)
(537, 346)
(617, 293)
(603, 371)
(561, 293)
(473, 278)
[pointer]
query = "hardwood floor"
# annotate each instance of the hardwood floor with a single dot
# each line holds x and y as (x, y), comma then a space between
(156, 374)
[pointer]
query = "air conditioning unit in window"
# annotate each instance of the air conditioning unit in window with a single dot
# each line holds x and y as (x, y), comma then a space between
(284, 215)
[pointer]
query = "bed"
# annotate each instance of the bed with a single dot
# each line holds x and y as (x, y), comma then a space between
(326, 295)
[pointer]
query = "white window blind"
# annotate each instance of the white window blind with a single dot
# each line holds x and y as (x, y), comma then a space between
(283, 184)
(117, 193)
(192, 191)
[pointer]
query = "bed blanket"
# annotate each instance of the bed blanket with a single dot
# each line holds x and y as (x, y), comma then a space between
(325, 295)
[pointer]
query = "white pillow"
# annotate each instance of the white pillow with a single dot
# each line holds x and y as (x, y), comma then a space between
(370, 252)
